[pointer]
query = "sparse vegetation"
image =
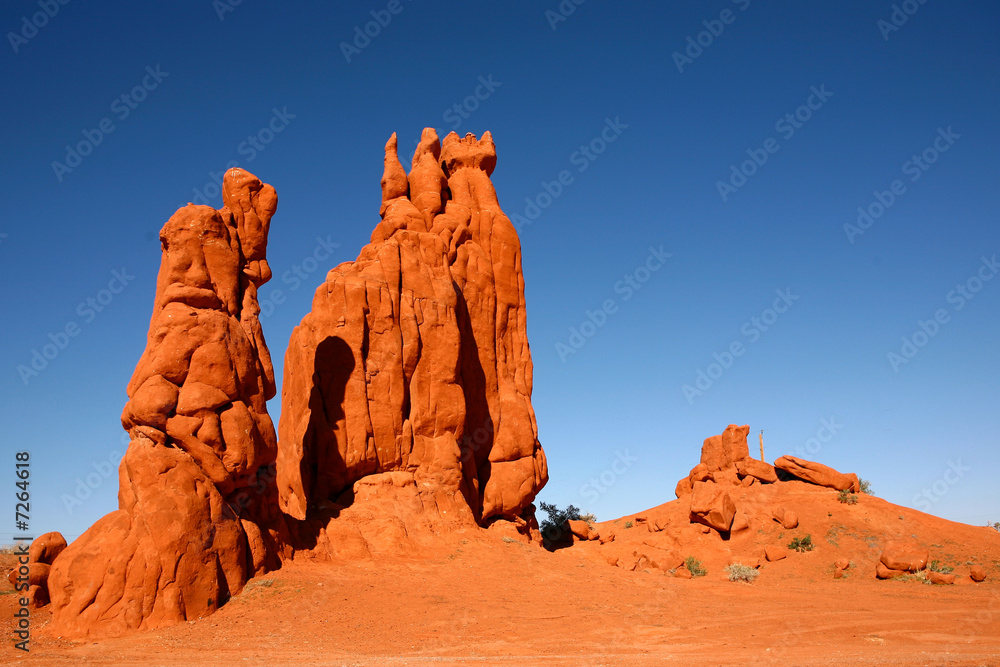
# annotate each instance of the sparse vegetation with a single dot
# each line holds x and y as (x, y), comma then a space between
(258, 583)
(995, 525)
(695, 567)
(628, 524)
(508, 539)
(741, 573)
(936, 566)
(552, 527)
(589, 518)
(847, 498)
(866, 487)
(801, 544)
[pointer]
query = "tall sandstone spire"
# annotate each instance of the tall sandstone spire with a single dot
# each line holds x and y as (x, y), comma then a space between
(193, 484)
(413, 372)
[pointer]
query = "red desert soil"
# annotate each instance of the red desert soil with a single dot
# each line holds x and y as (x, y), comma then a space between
(487, 599)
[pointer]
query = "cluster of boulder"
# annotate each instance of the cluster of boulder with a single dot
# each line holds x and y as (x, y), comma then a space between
(726, 464)
(903, 557)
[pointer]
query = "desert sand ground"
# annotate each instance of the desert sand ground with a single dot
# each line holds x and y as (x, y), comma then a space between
(487, 600)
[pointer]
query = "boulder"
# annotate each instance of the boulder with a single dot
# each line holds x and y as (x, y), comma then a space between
(712, 506)
(740, 522)
(940, 578)
(904, 555)
(842, 564)
(46, 547)
(726, 477)
(978, 573)
(683, 573)
(838, 573)
(817, 473)
(760, 470)
(787, 518)
(699, 473)
(579, 529)
(661, 559)
(883, 572)
(774, 552)
(683, 487)
(723, 451)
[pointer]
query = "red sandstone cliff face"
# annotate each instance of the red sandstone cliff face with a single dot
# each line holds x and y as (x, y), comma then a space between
(189, 530)
(412, 373)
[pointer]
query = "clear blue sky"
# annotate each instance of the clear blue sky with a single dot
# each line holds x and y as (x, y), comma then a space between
(678, 127)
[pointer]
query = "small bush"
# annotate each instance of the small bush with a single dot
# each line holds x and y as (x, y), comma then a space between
(866, 487)
(801, 544)
(743, 573)
(589, 518)
(552, 528)
(995, 525)
(847, 497)
(695, 567)
(628, 524)
(936, 566)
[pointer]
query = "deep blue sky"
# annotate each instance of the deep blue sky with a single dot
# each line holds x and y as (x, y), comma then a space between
(656, 185)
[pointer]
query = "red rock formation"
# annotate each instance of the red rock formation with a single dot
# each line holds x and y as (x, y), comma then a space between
(712, 506)
(41, 554)
(724, 451)
(414, 364)
(787, 518)
(817, 473)
(774, 552)
(196, 483)
(940, 578)
(760, 470)
(904, 556)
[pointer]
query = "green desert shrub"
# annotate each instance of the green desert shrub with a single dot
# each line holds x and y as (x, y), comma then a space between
(847, 497)
(552, 527)
(801, 544)
(695, 567)
(937, 566)
(866, 487)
